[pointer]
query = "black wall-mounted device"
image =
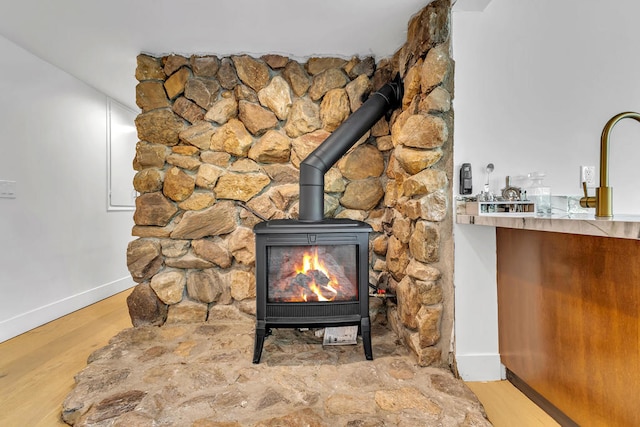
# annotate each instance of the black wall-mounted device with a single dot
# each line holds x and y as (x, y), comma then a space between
(466, 186)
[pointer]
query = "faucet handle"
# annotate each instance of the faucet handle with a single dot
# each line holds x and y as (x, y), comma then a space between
(587, 201)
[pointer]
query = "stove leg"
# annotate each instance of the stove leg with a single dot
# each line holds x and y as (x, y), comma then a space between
(365, 330)
(261, 333)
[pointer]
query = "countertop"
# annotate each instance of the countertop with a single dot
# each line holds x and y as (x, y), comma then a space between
(621, 226)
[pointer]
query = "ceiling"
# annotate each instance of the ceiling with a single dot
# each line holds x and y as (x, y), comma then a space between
(98, 41)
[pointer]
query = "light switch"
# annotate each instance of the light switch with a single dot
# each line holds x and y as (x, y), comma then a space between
(8, 189)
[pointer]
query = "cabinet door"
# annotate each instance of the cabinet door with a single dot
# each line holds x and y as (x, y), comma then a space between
(569, 324)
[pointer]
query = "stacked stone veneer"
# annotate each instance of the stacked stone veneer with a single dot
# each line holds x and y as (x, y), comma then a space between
(221, 140)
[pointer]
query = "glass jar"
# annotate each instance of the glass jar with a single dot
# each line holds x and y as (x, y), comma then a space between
(539, 194)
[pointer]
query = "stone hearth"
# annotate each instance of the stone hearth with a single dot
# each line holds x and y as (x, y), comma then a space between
(221, 141)
(201, 375)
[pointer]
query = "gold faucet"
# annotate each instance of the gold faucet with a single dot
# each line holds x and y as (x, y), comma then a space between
(603, 200)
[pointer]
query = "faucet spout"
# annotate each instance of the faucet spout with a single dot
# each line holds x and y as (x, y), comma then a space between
(604, 193)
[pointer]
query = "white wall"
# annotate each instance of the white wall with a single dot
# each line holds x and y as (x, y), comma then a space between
(60, 249)
(535, 83)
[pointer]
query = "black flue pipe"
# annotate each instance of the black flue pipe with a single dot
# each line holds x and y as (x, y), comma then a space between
(313, 168)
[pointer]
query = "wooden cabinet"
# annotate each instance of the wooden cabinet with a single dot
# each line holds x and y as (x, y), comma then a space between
(569, 321)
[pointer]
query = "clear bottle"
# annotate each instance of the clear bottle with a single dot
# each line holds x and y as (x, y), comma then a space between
(540, 194)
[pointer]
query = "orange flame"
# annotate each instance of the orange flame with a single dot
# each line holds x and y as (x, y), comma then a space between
(311, 261)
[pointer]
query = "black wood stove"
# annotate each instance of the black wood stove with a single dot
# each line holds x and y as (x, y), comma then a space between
(312, 275)
(314, 272)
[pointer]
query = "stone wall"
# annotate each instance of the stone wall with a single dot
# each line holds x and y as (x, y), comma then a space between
(221, 140)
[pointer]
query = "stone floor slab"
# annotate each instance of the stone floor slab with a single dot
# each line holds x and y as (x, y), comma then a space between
(202, 375)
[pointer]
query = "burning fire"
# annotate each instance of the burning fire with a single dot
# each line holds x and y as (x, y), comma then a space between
(323, 284)
(312, 274)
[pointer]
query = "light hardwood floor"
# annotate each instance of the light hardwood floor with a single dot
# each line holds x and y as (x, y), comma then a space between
(37, 369)
(506, 406)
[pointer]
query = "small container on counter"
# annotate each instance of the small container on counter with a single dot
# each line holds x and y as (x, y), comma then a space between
(540, 194)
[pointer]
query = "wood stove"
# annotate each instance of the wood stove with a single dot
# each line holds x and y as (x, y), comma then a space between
(314, 272)
(312, 275)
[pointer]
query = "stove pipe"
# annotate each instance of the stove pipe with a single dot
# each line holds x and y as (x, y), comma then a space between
(313, 168)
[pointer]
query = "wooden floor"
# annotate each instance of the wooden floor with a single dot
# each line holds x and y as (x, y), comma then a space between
(506, 406)
(37, 369)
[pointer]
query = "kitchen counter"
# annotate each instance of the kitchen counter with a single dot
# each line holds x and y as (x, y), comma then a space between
(568, 297)
(621, 226)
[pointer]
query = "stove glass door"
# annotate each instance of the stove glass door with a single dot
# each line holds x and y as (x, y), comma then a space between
(323, 273)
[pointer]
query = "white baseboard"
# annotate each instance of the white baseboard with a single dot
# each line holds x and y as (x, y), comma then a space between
(480, 367)
(39, 316)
